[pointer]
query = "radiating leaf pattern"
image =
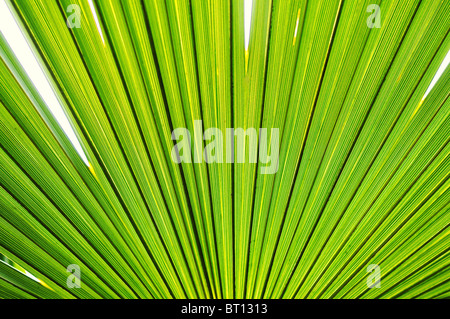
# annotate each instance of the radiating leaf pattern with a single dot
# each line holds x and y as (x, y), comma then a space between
(364, 159)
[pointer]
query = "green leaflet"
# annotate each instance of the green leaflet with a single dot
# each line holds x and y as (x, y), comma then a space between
(363, 167)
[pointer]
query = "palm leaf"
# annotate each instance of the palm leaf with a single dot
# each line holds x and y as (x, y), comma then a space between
(363, 167)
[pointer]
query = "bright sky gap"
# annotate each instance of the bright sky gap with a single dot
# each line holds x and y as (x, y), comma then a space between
(296, 26)
(94, 14)
(11, 264)
(16, 40)
(438, 74)
(247, 21)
